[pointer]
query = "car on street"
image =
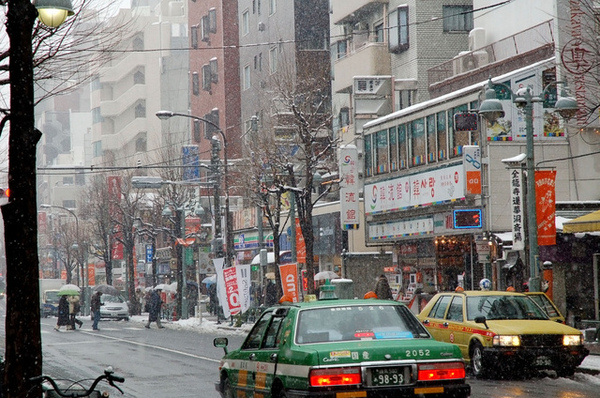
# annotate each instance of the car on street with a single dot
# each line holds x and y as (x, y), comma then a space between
(113, 307)
(341, 348)
(503, 333)
(547, 305)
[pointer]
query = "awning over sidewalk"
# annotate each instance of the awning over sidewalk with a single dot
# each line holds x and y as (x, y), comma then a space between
(587, 223)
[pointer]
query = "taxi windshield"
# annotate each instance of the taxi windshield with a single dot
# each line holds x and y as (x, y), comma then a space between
(358, 322)
(503, 307)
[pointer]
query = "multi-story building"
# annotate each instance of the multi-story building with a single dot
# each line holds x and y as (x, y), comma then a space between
(451, 227)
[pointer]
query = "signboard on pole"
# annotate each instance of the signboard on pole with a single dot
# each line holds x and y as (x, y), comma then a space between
(472, 162)
(516, 205)
(349, 215)
(289, 281)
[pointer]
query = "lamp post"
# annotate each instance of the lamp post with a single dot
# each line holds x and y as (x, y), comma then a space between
(24, 354)
(75, 246)
(164, 115)
(491, 109)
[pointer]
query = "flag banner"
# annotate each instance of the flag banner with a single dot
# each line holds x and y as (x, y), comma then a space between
(545, 200)
(517, 211)
(219, 263)
(289, 280)
(231, 287)
(243, 282)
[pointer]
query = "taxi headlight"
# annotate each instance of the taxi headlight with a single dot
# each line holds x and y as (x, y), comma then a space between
(507, 341)
(572, 339)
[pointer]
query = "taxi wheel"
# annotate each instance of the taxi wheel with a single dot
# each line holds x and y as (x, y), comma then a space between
(227, 391)
(477, 360)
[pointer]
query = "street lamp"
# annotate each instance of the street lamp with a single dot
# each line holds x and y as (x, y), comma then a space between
(491, 109)
(164, 115)
(75, 245)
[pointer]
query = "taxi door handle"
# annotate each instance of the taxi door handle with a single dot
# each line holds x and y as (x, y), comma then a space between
(273, 357)
(252, 357)
(445, 324)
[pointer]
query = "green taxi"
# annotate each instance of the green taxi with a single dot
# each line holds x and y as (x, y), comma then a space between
(341, 349)
(503, 333)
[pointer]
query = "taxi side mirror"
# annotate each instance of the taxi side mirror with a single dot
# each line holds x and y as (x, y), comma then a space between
(221, 342)
(481, 319)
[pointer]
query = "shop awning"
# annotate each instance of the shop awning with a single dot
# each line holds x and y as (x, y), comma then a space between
(587, 223)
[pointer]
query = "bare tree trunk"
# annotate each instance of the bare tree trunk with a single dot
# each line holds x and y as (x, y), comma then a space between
(23, 336)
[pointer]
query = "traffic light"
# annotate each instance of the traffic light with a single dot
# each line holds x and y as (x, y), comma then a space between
(5, 193)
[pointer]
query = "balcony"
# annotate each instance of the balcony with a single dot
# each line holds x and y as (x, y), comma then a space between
(349, 11)
(118, 141)
(125, 101)
(370, 59)
(123, 67)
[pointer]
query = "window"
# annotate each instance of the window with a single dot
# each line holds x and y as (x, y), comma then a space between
(206, 78)
(195, 83)
(140, 109)
(97, 116)
(382, 151)
(141, 143)
(417, 142)
(344, 117)
(194, 34)
(68, 180)
(393, 147)
(431, 139)
(379, 36)
(272, 6)
(341, 49)
(457, 138)
(246, 78)
(69, 204)
(439, 309)
(369, 155)
(96, 84)
(245, 23)
(402, 146)
(138, 42)
(214, 70)
(398, 24)
(457, 18)
(255, 336)
(205, 28)
(139, 77)
(455, 312)
(442, 137)
(273, 60)
(212, 20)
(405, 98)
(97, 148)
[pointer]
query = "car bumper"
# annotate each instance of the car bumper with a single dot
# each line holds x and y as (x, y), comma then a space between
(447, 391)
(541, 358)
(114, 315)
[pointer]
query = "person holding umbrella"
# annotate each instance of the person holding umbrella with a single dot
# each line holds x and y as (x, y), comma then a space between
(63, 313)
(95, 309)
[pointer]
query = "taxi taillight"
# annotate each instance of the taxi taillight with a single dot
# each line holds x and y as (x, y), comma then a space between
(441, 371)
(334, 377)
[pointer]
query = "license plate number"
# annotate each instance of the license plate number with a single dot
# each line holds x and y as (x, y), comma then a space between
(543, 361)
(114, 314)
(388, 376)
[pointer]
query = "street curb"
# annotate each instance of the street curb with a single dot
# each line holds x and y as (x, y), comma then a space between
(588, 371)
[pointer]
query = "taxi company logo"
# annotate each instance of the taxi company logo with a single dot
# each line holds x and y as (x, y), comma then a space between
(340, 354)
(374, 197)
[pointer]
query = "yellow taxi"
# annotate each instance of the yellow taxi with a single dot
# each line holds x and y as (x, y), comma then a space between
(502, 333)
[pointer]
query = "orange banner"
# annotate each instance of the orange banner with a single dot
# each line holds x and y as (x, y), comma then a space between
(289, 281)
(545, 198)
(300, 245)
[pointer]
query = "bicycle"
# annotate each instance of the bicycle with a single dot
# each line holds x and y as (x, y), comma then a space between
(75, 389)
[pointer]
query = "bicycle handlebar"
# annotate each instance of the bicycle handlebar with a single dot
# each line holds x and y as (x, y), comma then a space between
(108, 376)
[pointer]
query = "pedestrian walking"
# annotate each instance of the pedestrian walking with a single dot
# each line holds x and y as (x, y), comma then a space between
(63, 313)
(74, 308)
(95, 305)
(383, 289)
(154, 307)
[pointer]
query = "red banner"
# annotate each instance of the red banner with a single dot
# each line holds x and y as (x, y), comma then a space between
(231, 287)
(289, 281)
(545, 198)
(300, 245)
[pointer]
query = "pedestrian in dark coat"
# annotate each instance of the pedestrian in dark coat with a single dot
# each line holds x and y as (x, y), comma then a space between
(154, 307)
(95, 305)
(382, 289)
(63, 313)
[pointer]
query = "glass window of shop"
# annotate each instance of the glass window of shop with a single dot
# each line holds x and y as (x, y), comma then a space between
(442, 137)
(458, 139)
(402, 147)
(369, 155)
(382, 151)
(417, 142)
(431, 139)
(393, 149)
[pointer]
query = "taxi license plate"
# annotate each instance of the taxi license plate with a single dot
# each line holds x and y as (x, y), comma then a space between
(543, 361)
(392, 376)
(113, 314)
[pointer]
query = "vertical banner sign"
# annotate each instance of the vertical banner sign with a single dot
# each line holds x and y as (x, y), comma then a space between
(191, 162)
(472, 162)
(243, 281)
(545, 198)
(219, 263)
(516, 204)
(348, 158)
(300, 245)
(231, 287)
(289, 281)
